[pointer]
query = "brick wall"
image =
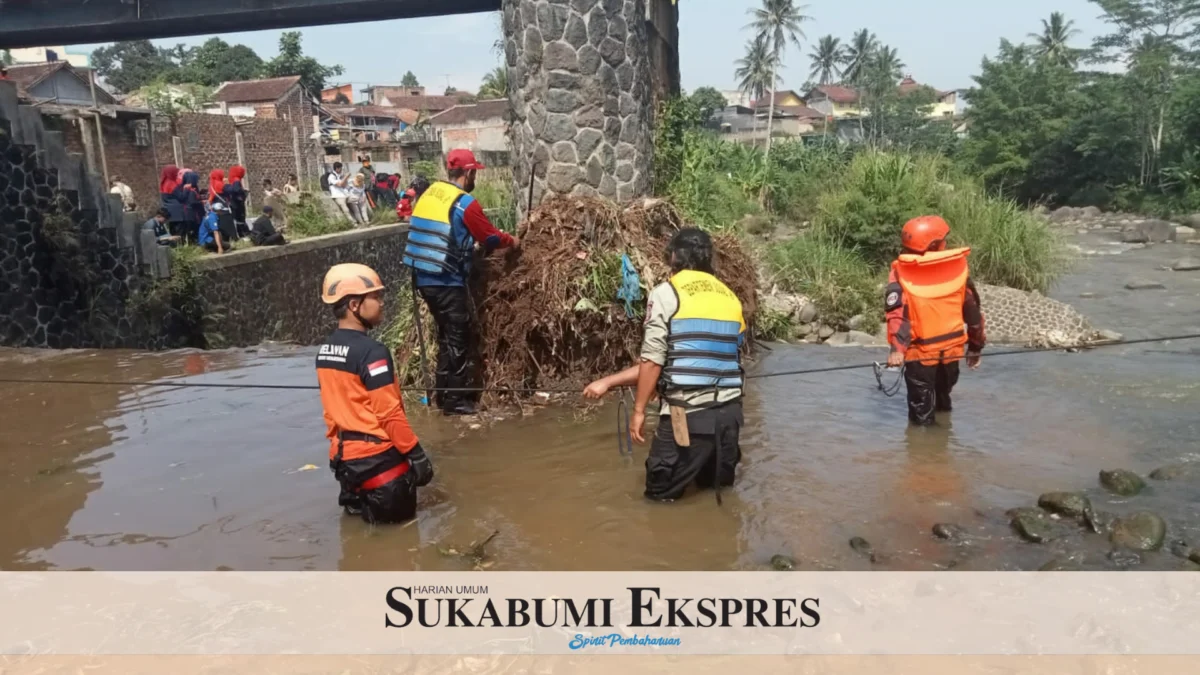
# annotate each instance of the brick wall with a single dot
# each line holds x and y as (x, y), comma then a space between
(297, 108)
(136, 165)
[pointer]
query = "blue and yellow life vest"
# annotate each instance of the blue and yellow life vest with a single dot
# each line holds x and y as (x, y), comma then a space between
(434, 246)
(704, 334)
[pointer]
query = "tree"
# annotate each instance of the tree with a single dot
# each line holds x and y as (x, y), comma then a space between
(292, 61)
(1051, 43)
(857, 53)
(128, 66)
(886, 63)
(827, 58)
(495, 84)
(5, 58)
(708, 102)
(450, 91)
(755, 69)
(777, 22)
(341, 99)
(169, 100)
(409, 80)
(1021, 109)
(216, 61)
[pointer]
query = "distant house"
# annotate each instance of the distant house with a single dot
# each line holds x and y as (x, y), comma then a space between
(430, 105)
(275, 98)
(479, 127)
(735, 97)
(744, 124)
(834, 100)
(379, 94)
(780, 99)
(58, 82)
(375, 123)
(947, 101)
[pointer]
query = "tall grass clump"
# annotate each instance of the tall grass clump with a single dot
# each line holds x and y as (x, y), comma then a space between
(880, 191)
(716, 182)
(834, 277)
(494, 191)
(309, 218)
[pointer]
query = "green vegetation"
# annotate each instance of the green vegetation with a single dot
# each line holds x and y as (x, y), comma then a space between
(834, 277)
(176, 303)
(310, 219)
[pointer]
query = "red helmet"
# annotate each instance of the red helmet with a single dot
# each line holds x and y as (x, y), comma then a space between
(926, 233)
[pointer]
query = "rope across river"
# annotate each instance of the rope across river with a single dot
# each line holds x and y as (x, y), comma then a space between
(553, 390)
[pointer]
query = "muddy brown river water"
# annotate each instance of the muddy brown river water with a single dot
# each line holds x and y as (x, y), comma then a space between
(121, 478)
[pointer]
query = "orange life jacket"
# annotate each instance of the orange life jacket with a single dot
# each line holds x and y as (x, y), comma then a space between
(935, 287)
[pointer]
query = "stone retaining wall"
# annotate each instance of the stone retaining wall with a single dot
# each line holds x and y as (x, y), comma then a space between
(273, 292)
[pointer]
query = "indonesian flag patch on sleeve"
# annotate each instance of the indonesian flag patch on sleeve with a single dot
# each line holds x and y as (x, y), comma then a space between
(378, 368)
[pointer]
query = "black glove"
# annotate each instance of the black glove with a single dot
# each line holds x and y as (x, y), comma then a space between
(421, 465)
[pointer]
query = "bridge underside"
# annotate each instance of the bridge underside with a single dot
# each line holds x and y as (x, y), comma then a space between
(33, 23)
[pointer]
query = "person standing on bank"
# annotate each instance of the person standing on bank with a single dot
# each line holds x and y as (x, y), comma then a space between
(933, 312)
(446, 224)
(691, 357)
(374, 455)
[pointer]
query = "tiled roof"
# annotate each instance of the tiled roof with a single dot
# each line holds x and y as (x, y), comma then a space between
(801, 111)
(255, 91)
(469, 112)
(405, 115)
(838, 93)
(777, 96)
(28, 75)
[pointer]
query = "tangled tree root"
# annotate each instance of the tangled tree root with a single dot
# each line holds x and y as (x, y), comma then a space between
(550, 317)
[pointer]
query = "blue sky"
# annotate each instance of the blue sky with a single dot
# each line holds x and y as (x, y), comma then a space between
(941, 41)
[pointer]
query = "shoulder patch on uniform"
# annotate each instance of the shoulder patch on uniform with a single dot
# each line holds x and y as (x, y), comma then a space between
(892, 299)
(378, 367)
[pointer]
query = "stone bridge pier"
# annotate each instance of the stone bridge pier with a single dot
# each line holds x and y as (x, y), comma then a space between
(584, 80)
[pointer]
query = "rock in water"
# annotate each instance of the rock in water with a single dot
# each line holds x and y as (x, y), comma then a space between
(1158, 231)
(1068, 504)
(1124, 558)
(1122, 482)
(1138, 284)
(1180, 549)
(1134, 237)
(863, 547)
(1173, 472)
(782, 563)
(1142, 531)
(1186, 265)
(1032, 525)
(947, 531)
(1100, 522)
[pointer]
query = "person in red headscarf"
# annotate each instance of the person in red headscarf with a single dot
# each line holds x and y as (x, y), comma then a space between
(168, 179)
(170, 197)
(216, 186)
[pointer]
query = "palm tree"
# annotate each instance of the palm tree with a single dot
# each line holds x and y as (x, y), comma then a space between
(1051, 43)
(495, 84)
(827, 57)
(755, 69)
(778, 23)
(886, 61)
(857, 53)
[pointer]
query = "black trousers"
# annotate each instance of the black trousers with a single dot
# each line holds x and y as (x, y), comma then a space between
(392, 502)
(274, 239)
(451, 310)
(929, 388)
(710, 460)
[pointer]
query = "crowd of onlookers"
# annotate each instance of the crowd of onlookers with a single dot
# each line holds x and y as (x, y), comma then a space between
(360, 194)
(214, 216)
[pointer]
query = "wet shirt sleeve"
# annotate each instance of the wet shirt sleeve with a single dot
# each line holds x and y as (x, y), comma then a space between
(378, 374)
(899, 330)
(659, 308)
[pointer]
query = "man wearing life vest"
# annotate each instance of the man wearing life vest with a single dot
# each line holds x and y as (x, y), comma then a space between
(373, 452)
(691, 357)
(934, 316)
(446, 224)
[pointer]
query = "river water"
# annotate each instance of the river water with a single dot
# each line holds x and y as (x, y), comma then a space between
(124, 478)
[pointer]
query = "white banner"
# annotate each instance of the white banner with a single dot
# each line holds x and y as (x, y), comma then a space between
(599, 613)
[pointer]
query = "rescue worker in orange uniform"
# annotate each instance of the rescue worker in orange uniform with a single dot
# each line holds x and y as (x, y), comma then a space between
(934, 316)
(373, 452)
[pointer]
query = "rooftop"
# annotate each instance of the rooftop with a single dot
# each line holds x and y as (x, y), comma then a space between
(255, 91)
(470, 112)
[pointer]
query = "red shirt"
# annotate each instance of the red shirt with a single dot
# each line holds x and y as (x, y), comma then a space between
(482, 229)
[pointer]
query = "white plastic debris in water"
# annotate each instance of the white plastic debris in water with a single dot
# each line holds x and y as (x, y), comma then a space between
(541, 398)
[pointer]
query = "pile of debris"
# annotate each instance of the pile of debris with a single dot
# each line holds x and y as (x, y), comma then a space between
(550, 316)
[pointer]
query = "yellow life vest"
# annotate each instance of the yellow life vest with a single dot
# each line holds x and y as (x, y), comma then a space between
(432, 245)
(704, 335)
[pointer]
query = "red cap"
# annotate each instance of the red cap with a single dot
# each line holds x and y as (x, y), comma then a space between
(462, 159)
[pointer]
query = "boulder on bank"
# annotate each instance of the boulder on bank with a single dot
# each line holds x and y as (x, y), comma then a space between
(1152, 231)
(1068, 504)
